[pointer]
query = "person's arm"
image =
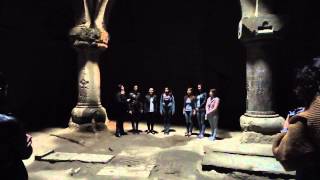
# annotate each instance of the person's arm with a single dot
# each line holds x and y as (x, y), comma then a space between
(215, 106)
(161, 104)
(194, 105)
(173, 106)
(145, 105)
(118, 99)
(141, 104)
(207, 106)
(21, 142)
(292, 148)
(184, 105)
(203, 104)
(156, 104)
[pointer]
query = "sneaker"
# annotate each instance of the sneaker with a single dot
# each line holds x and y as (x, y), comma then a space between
(212, 138)
(118, 135)
(189, 134)
(200, 136)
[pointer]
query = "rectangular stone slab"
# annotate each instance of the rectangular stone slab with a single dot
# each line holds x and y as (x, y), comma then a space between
(244, 149)
(244, 162)
(124, 166)
(127, 172)
(82, 157)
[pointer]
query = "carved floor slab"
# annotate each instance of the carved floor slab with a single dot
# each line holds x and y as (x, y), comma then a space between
(82, 157)
(128, 167)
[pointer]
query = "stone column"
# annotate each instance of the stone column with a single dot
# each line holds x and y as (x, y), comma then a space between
(90, 39)
(260, 32)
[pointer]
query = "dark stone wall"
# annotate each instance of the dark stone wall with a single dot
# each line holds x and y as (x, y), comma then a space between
(153, 43)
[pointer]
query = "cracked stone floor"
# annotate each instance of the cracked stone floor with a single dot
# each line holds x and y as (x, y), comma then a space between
(143, 156)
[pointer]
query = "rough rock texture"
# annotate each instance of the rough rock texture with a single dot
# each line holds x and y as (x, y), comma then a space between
(257, 165)
(89, 38)
(252, 137)
(259, 30)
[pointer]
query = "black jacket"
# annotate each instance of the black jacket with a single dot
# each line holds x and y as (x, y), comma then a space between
(135, 103)
(121, 102)
(147, 103)
(203, 100)
(13, 149)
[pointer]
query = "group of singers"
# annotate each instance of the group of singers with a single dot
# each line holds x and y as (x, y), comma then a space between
(150, 106)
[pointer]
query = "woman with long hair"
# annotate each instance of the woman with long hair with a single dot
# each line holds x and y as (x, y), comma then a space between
(212, 114)
(167, 108)
(122, 109)
(189, 110)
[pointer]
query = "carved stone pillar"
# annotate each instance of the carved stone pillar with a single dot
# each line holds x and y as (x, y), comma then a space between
(90, 39)
(260, 31)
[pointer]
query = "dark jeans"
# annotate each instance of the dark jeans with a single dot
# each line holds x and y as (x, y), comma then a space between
(119, 122)
(201, 121)
(188, 118)
(150, 117)
(135, 118)
(167, 116)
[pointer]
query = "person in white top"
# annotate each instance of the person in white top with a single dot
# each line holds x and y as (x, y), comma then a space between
(151, 110)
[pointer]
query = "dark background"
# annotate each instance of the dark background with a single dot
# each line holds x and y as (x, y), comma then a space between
(153, 43)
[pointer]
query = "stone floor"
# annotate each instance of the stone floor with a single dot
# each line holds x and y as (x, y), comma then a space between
(135, 156)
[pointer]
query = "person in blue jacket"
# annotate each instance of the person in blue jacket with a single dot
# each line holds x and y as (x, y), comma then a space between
(201, 100)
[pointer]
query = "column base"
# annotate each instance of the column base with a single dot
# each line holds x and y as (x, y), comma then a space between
(88, 118)
(271, 124)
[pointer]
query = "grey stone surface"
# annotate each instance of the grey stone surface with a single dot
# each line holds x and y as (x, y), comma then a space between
(253, 137)
(243, 162)
(264, 125)
(82, 157)
(260, 29)
(90, 38)
(128, 167)
(243, 149)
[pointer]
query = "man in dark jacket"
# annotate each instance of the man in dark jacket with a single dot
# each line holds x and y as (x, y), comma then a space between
(135, 108)
(201, 100)
(151, 110)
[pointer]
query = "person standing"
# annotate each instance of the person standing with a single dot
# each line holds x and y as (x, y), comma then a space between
(212, 114)
(122, 109)
(201, 110)
(135, 108)
(151, 110)
(167, 108)
(189, 110)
